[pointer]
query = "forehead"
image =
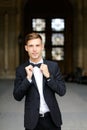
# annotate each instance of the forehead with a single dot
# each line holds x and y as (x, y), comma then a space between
(34, 41)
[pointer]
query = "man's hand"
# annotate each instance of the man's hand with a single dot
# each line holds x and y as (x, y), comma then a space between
(44, 70)
(29, 71)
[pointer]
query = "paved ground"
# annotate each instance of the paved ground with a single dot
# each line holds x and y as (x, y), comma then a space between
(73, 107)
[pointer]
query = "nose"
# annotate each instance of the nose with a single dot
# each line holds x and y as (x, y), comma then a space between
(34, 48)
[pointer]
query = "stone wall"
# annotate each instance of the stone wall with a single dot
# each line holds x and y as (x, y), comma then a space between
(9, 31)
(80, 35)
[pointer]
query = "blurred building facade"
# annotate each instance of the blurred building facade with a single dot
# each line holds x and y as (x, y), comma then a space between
(15, 23)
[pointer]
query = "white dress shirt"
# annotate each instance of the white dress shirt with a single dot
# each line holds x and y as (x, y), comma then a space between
(39, 81)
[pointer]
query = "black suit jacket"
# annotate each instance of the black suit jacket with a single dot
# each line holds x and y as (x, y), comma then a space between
(22, 87)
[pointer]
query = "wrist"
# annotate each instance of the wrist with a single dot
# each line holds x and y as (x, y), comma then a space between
(29, 79)
(48, 78)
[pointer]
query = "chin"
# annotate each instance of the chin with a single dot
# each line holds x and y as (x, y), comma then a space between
(35, 57)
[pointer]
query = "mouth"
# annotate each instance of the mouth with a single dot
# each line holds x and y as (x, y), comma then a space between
(34, 54)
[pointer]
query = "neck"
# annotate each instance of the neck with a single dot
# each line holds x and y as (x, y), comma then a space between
(35, 60)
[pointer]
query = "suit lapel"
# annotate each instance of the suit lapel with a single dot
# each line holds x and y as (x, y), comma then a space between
(33, 78)
(44, 79)
(34, 82)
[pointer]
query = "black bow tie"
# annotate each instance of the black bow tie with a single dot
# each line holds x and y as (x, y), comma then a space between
(38, 65)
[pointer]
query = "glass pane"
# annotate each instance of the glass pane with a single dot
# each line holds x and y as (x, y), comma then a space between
(57, 24)
(57, 39)
(43, 54)
(38, 24)
(43, 37)
(57, 53)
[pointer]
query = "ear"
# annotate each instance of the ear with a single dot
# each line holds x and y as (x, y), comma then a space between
(26, 48)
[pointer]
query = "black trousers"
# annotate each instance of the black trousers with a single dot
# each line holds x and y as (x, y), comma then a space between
(45, 123)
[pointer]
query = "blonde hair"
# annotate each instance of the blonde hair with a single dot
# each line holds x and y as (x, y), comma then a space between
(31, 36)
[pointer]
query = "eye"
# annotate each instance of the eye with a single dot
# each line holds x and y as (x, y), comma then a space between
(37, 45)
(30, 45)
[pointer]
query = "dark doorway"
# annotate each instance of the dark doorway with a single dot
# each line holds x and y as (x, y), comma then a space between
(56, 17)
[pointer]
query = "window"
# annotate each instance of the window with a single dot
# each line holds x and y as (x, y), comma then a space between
(57, 24)
(57, 38)
(38, 24)
(56, 29)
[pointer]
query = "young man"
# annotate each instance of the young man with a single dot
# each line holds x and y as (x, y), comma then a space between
(38, 80)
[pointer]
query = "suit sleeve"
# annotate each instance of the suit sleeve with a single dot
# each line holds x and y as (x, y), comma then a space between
(56, 82)
(21, 85)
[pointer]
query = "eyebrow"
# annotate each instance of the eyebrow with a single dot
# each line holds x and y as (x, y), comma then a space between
(32, 44)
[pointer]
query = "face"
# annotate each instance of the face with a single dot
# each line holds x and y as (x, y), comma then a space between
(34, 48)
